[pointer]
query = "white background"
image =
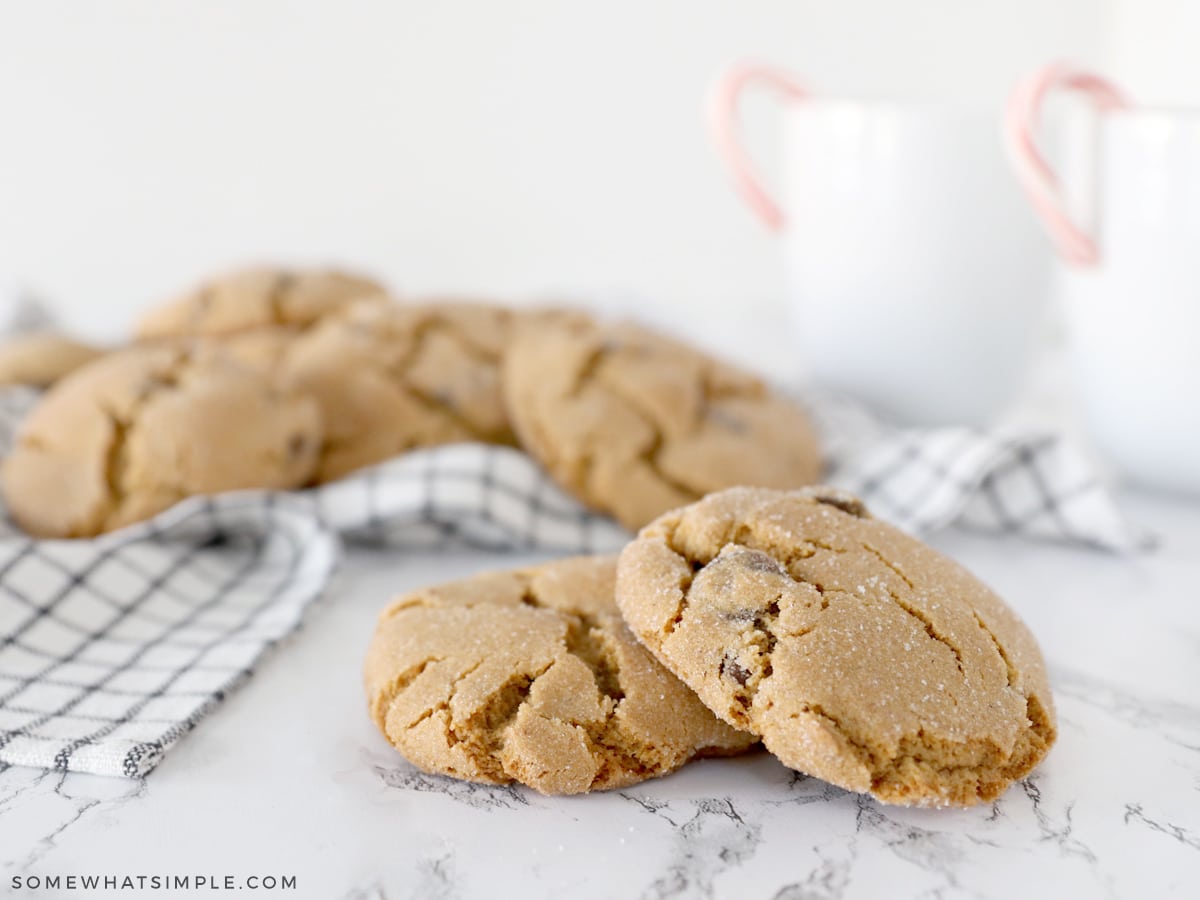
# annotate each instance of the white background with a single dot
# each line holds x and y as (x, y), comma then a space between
(516, 148)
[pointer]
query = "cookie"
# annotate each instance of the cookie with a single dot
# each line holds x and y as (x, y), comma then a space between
(129, 435)
(857, 653)
(257, 298)
(391, 378)
(263, 349)
(531, 676)
(42, 358)
(633, 423)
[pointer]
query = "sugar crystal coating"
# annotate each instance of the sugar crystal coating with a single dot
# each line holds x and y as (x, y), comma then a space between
(531, 676)
(859, 654)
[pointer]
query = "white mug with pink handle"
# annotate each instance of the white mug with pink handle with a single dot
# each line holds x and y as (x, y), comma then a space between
(917, 271)
(1125, 219)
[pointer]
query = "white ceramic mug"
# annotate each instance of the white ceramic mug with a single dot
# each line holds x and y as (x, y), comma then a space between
(1125, 218)
(916, 274)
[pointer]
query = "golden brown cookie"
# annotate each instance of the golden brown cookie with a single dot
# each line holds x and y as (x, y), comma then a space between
(634, 424)
(263, 349)
(42, 358)
(129, 435)
(257, 298)
(860, 655)
(531, 676)
(391, 378)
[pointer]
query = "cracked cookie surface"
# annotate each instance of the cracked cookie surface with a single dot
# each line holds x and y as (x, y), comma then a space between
(531, 676)
(257, 298)
(391, 378)
(859, 654)
(129, 435)
(42, 358)
(634, 423)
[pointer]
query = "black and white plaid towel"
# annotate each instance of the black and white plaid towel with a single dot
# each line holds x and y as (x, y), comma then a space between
(112, 649)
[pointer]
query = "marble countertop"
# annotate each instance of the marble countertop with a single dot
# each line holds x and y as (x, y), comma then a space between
(289, 777)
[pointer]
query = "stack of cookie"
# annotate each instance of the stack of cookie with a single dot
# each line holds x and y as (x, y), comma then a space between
(853, 652)
(196, 405)
(775, 613)
(283, 379)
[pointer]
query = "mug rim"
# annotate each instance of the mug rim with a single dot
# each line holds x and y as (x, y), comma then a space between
(896, 106)
(1161, 115)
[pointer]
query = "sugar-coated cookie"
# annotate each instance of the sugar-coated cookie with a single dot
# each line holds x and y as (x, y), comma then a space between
(257, 298)
(130, 434)
(860, 655)
(265, 350)
(634, 423)
(391, 378)
(531, 676)
(39, 359)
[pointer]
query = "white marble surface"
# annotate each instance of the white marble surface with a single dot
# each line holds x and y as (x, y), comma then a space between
(289, 776)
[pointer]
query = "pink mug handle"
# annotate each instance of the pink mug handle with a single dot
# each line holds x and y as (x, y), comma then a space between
(723, 125)
(1021, 119)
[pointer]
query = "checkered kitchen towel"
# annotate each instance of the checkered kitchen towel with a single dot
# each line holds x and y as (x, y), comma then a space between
(112, 649)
